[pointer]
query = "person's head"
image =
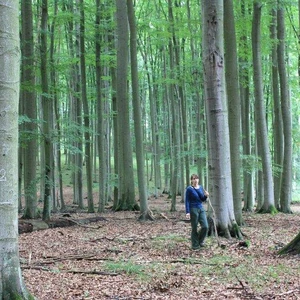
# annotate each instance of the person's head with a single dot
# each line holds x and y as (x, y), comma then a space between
(194, 179)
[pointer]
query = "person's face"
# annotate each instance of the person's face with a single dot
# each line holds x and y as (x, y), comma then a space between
(195, 180)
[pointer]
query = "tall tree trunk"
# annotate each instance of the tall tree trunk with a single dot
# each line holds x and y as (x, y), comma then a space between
(140, 158)
(125, 164)
(286, 186)
(54, 96)
(248, 169)
(175, 142)
(293, 247)
(47, 117)
(100, 113)
(28, 99)
(234, 106)
(260, 110)
(11, 283)
(86, 117)
(217, 118)
(277, 119)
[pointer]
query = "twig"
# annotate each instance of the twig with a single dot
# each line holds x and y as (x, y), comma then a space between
(79, 224)
(164, 216)
(35, 268)
(288, 292)
(93, 272)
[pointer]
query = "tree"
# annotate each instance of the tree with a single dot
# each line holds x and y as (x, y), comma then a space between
(86, 117)
(28, 101)
(145, 213)
(234, 106)
(217, 119)
(292, 247)
(11, 282)
(46, 115)
(126, 197)
(244, 62)
(100, 112)
(260, 110)
(286, 185)
(277, 119)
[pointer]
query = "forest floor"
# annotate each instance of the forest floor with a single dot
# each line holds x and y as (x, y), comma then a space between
(122, 258)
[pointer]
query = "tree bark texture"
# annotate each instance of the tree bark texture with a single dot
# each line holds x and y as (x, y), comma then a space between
(126, 196)
(286, 184)
(248, 186)
(46, 114)
(86, 117)
(140, 158)
(11, 282)
(292, 247)
(28, 100)
(277, 118)
(217, 118)
(260, 111)
(234, 106)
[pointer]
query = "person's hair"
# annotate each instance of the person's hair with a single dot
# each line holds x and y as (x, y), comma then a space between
(193, 176)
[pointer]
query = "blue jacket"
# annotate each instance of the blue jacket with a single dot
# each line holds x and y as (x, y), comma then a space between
(194, 198)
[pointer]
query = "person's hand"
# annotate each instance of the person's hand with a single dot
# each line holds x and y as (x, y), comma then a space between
(206, 193)
(188, 216)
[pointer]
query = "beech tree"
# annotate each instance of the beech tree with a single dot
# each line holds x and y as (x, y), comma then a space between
(126, 197)
(28, 104)
(293, 247)
(234, 106)
(260, 122)
(286, 186)
(217, 119)
(11, 282)
(145, 212)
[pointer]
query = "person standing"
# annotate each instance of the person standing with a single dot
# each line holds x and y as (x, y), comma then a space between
(195, 195)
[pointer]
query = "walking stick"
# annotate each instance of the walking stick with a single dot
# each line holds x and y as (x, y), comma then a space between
(214, 221)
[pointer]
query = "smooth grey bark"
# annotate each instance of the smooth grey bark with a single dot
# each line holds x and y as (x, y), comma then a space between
(217, 118)
(175, 117)
(292, 248)
(277, 117)
(11, 282)
(28, 100)
(260, 110)
(100, 113)
(286, 184)
(46, 114)
(248, 168)
(56, 116)
(86, 116)
(234, 106)
(75, 110)
(199, 154)
(126, 197)
(138, 129)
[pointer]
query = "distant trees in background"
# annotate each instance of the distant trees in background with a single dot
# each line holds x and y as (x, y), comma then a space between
(108, 104)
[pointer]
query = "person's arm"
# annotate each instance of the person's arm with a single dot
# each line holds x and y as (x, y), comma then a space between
(187, 204)
(204, 194)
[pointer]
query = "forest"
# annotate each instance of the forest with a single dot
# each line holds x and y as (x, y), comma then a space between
(108, 107)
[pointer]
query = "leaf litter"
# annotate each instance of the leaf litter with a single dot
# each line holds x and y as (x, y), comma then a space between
(126, 259)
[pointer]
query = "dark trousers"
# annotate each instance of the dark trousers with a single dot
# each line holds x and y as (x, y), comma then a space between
(198, 216)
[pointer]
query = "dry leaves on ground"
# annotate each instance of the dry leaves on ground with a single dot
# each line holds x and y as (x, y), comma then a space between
(122, 258)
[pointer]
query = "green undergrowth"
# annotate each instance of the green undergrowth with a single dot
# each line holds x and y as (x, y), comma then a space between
(172, 241)
(222, 268)
(129, 267)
